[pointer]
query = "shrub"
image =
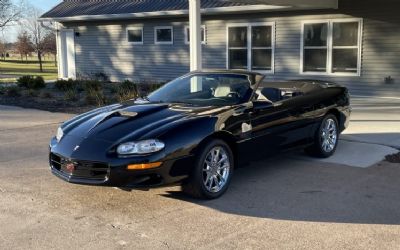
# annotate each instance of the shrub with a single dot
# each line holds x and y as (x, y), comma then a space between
(46, 95)
(111, 100)
(65, 85)
(13, 91)
(112, 88)
(71, 95)
(38, 83)
(32, 93)
(30, 82)
(127, 90)
(24, 81)
(92, 85)
(95, 97)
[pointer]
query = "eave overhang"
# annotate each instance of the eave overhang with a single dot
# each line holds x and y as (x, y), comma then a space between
(259, 6)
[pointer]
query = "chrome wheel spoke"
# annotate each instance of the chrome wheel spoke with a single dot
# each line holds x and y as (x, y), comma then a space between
(223, 166)
(223, 159)
(328, 135)
(216, 169)
(211, 180)
(221, 177)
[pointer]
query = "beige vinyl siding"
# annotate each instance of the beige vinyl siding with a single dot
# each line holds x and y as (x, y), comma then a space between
(102, 47)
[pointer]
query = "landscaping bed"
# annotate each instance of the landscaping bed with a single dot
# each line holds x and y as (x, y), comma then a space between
(393, 158)
(71, 96)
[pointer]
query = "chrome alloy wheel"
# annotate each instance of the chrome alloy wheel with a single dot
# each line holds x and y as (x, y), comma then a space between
(329, 135)
(216, 169)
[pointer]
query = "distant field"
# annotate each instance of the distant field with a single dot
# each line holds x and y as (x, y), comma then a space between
(13, 68)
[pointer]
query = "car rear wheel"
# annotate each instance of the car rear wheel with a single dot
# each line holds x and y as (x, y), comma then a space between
(326, 138)
(212, 172)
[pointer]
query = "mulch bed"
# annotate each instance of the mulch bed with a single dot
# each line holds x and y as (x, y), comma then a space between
(45, 104)
(394, 158)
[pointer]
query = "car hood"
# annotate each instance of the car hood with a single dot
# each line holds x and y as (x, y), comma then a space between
(123, 122)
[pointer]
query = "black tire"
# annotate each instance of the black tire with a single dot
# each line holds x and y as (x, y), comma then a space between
(194, 185)
(318, 148)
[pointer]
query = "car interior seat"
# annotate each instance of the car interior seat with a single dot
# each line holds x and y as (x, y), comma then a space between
(222, 91)
(272, 94)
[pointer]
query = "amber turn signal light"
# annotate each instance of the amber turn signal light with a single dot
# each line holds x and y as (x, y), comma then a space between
(144, 166)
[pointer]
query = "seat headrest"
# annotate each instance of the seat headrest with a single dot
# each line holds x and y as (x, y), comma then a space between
(222, 91)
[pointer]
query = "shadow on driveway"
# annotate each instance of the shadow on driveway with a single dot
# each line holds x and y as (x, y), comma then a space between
(288, 188)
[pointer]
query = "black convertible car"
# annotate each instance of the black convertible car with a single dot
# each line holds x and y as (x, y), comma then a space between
(196, 129)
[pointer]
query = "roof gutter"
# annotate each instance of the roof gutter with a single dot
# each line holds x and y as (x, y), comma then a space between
(156, 14)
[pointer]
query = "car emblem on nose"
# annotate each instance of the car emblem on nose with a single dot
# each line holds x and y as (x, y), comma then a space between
(70, 167)
(76, 147)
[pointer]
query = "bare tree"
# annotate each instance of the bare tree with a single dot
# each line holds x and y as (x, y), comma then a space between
(3, 50)
(37, 33)
(49, 45)
(23, 45)
(9, 12)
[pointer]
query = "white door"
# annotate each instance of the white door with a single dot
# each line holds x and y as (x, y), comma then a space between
(67, 54)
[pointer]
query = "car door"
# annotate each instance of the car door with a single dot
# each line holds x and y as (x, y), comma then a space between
(277, 124)
(270, 125)
(302, 122)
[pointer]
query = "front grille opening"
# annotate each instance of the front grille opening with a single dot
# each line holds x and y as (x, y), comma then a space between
(55, 161)
(83, 169)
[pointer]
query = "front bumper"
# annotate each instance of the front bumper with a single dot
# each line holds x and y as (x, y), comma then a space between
(106, 174)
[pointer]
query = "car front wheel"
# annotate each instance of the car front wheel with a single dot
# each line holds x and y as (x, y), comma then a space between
(212, 172)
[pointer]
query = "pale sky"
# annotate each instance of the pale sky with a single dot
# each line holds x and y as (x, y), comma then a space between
(10, 34)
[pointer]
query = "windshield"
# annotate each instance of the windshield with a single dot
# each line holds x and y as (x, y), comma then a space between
(205, 90)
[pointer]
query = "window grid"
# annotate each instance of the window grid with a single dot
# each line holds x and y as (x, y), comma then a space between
(249, 47)
(330, 47)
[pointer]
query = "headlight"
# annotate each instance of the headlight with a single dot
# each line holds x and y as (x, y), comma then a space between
(140, 147)
(60, 134)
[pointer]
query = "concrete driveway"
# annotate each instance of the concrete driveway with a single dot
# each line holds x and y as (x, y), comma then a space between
(290, 201)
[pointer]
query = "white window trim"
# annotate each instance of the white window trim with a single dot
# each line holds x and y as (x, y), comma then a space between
(163, 27)
(134, 28)
(249, 25)
(185, 31)
(330, 47)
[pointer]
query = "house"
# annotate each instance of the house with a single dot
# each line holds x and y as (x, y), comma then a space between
(354, 42)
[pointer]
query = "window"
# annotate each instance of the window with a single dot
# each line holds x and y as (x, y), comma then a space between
(315, 47)
(203, 34)
(331, 47)
(135, 35)
(251, 47)
(163, 35)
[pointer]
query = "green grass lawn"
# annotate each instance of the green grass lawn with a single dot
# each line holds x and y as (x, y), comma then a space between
(12, 68)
